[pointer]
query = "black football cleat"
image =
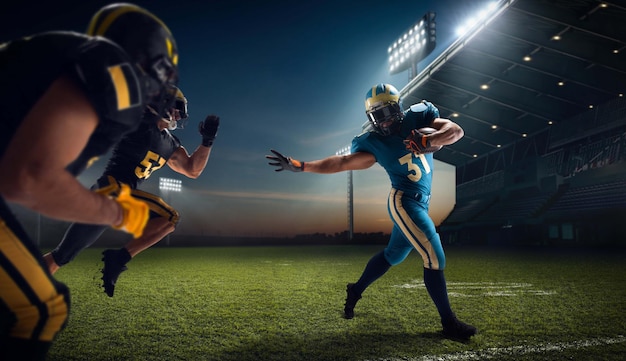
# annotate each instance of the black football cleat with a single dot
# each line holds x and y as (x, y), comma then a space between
(351, 300)
(458, 331)
(114, 265)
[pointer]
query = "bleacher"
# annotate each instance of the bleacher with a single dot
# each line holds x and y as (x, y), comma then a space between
(571, 194)
(519, 208)
(579, 202)
(469, 210)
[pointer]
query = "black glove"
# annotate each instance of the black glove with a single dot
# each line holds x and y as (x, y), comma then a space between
(283, 162)
(208, 129)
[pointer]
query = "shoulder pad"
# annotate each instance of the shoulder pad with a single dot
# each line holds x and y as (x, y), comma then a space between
(419, 107)
(110, 81)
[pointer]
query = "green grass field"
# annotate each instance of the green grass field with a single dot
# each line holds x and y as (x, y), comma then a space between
(285, 303)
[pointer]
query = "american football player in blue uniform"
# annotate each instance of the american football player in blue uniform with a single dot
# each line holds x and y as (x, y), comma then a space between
(134, 159)
(67, 98)
(406, 154)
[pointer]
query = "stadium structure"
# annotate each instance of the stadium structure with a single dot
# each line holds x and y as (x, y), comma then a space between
(538, 86)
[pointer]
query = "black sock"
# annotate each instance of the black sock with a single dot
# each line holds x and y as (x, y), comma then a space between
(436, 285)
(376, 267)
(125, 254)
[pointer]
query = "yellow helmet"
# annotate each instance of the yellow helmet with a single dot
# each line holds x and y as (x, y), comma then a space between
(383, 107)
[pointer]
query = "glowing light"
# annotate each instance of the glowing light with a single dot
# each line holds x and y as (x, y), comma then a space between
(405, 47)
(343, 151)
(479, 18)
(169, 184)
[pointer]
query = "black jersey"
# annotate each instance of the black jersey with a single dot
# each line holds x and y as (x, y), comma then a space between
(101, 68)
(140, 153)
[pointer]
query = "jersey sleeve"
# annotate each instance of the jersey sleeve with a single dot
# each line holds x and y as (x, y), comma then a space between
(362, 143)
(176, 141)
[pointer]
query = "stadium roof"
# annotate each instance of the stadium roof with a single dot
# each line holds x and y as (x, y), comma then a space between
(543, 62)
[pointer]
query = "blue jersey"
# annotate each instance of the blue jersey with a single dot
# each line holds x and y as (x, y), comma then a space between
(407, 172)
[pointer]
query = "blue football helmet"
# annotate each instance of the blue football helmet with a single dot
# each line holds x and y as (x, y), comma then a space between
(383, 107)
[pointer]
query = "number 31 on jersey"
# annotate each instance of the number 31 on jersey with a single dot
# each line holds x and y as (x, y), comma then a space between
(415, 173)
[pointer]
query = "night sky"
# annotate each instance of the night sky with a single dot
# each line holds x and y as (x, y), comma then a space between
(287, 75)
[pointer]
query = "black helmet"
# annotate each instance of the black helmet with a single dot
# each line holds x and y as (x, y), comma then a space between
(148, 42)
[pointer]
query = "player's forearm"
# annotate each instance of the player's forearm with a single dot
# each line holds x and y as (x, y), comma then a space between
(61, 196)
(449, 133)
(332, 164)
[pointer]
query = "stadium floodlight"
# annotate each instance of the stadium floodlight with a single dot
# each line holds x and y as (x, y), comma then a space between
(413, 45)
(345, 151)
(169, 185)
(477, 19)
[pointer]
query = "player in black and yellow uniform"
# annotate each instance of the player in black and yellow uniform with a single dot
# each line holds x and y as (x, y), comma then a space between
(134, 159)
(67, 98)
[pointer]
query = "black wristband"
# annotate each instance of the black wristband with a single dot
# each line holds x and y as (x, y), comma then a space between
(207, 142)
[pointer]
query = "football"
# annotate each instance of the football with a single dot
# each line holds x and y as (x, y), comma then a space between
(431, 149)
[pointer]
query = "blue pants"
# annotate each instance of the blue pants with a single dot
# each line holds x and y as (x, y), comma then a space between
(413, 229)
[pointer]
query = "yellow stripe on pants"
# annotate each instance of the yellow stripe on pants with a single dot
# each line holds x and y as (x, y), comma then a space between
(38, 282)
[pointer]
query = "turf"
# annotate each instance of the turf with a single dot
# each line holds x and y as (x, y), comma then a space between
(285, 303)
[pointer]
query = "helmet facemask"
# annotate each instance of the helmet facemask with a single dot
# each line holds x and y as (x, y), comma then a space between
(383, 107)
(385, 118)
(162, 77)
(172, 109)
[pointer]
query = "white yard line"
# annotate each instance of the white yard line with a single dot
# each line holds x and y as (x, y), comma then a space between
(483, 289)
(511, 351)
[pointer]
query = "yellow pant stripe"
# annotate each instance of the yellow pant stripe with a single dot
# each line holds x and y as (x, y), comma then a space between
(16, 297)
(155, 203)
(412, 232)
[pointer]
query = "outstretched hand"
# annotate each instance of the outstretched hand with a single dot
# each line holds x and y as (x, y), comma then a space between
(208, 129)
(281, 162)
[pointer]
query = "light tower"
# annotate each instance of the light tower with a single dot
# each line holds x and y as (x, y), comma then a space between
(416, 43)
(167, 186)
(345, 151)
